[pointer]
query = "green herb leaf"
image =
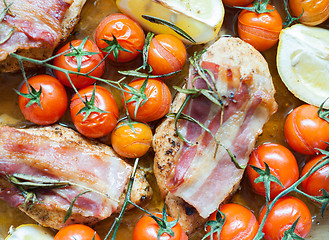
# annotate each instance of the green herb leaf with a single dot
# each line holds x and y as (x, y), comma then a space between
(146, 47)
(290, 233)
(178, 30)
(215, 225)
(324, 114)
(33, 95)
(69, 211)
(114, 47)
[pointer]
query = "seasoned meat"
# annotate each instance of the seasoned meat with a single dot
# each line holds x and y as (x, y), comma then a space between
(197, 177)
(59, 153)
(39, 26)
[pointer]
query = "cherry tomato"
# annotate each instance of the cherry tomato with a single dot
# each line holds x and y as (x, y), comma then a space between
(53, 100)
(284, 213)
(76, 232)
(315, 11)
(318, 180)
(131, 143)
(166, 54)
(233, 3)
(157, 104)
(128, 33)
(260, 30)
(97, 124)
(305, 130)
(281, 162)
(88, 62)
(240, 223)
(147, 228)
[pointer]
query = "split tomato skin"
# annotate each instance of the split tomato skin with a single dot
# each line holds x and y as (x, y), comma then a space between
(157, 104)
(313, 12)
(281, 162)
(304, 130)
(147, 228)
(131, 143)
(76, 232)
(129, 34)
(240, 223)
(53, 100)
(166, 54)
(260, 30)
(284, 213)
(88, 63)
(318, 180)
(97, 124)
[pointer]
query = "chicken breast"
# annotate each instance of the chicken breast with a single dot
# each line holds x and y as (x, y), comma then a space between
(60, 154)
(197, 175)
(38, 26)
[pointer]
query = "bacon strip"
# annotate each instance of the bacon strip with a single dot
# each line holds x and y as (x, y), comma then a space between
(31, 154)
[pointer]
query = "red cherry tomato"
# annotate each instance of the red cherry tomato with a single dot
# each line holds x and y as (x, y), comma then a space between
(147, 228)
(260, 30)
(233, 3)
(284, 213)
(88, 62)
(129, 34)
(240, 223)
(318, 180)
(305, 130)
(281, 162)
(166, 54)
(97, 124)
(131, 143)
(314, 11)
(53, 100)
(157, 104)
(76, 232)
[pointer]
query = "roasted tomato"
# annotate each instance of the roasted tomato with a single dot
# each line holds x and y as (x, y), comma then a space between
(281, 162)
(240, 223)
(147, 228)
(233, 3)
(313, 12)
(52, 99)
(128, 33)
(81, 59)
(131, 140)
(166, 54)
(103, 111)
(156, 105)
(318, 180)
(76, 232)
(284, 213)
(305, 130)
(261, 30)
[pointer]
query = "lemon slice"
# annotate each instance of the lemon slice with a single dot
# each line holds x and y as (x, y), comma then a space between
(303, 62)
(30, 232)
(201, 19)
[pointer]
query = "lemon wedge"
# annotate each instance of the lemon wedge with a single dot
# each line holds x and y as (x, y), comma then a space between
(29, 232)
(201, 19)
(303, 62)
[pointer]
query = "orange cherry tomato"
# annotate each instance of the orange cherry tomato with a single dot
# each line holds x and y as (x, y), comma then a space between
(53, 100)
(166, 54)
(129, 34)
(157, 104)
(283, 214)
(240, 223)
(260, 30)
(281, 162)
(233, 3)
(318, 180)
(76, 232)
(315, 11)
(147, 228)
(131, 143)
(88, 63)
(97, 124)
(304, 130)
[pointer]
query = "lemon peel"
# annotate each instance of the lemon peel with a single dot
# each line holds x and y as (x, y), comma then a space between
(30, 232)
